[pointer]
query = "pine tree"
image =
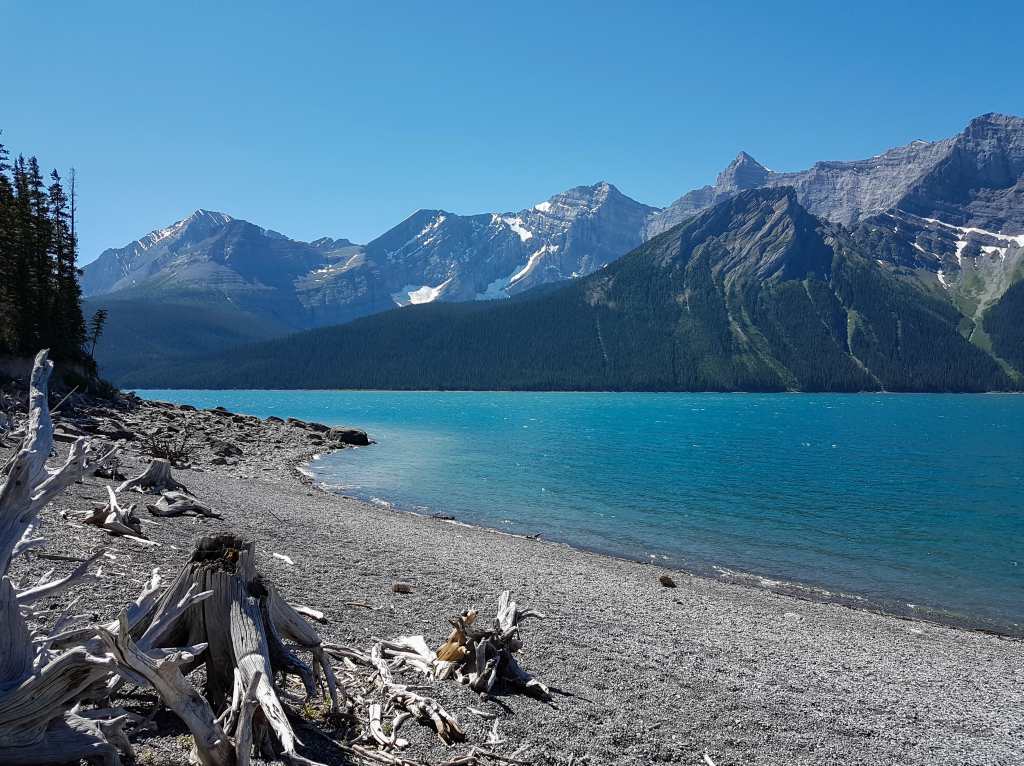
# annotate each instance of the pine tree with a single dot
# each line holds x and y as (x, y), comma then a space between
(66, 326)
(39, 292)
(8, 339)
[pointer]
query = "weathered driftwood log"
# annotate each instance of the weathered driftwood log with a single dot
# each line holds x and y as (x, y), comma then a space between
(180, 504)
(454, 649)
(480, 656)
(155, 479)
(38, 684)
(113, 518)
(241, 625)
(217, 612)
(490, 652)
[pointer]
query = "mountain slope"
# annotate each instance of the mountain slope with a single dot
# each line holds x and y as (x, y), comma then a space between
(975, 179)
(140, 333)
(752, 294)
(438, 255)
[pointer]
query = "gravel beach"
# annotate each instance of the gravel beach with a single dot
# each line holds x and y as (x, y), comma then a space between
(705, 672)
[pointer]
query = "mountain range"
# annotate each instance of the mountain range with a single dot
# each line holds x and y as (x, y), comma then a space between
(942, 219)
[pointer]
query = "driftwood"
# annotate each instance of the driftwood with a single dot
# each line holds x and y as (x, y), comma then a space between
(217, 613)
(483, 657)
(490, 652)
(240, 623)
(155, 479)
(115, 519)
(172, 503)
(39, 684)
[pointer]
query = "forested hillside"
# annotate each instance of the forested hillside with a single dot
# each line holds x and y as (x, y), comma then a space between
(754, 294)
(39, 292)
(1004, 324)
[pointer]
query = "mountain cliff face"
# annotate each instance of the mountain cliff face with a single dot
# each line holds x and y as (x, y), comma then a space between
(979, 179)
(973, 179)
(432, 255)
(437, 255)
(743, 173)
(944, 217)
(216, 259)
(838, 191)
(753, 294)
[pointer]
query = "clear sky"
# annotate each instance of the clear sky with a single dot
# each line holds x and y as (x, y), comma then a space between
(340, 119)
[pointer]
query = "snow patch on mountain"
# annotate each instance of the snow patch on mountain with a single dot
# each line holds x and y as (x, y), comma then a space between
(531, 264)
(496, 290)
(413, 294)
(516, 224)
(1018, 239)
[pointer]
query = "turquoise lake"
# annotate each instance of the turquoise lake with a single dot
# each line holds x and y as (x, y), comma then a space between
(911, 503)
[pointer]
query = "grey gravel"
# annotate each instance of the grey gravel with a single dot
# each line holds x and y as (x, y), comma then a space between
(647, 673)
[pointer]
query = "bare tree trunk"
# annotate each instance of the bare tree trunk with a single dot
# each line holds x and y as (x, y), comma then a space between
(37, 688)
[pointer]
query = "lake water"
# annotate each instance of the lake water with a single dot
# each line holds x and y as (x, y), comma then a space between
(914, 503)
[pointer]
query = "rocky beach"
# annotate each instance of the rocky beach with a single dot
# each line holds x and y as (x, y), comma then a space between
(703, 672)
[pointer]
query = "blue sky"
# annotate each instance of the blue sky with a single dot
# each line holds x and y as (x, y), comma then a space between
(341, 119)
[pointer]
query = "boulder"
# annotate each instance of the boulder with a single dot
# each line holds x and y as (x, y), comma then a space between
(353, 436)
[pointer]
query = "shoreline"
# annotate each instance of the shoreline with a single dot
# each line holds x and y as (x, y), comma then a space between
(805, 591)
(647, 673)
(865, 392)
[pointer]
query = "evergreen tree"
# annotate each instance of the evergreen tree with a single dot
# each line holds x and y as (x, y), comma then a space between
(8, 338)
(67, 327)
(39, 291)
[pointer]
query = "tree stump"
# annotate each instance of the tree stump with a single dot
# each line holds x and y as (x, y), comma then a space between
(155, 479)
(242, 623)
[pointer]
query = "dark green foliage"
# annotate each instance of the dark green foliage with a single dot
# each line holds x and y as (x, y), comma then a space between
(39, 292)
(96, 325)
(140, 333)
(755, 294)
(908, 339)
(1004, 323)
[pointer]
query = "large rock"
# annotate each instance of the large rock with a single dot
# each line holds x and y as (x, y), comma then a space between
(352, 436)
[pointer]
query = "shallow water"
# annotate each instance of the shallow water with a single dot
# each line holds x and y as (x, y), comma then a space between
(913, 502)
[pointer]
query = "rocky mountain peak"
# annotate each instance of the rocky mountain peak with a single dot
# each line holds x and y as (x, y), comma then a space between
(741, 174)
(330, 243)
(579, 197)
(760, 233)
(993, 121)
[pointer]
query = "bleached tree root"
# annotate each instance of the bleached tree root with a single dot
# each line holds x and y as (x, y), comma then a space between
(240, 624)
(39, 684)
(71, 739)
(218, 612)
(113, 518)
(490, 652)
(481, 656)
(173, 503)
(155, 479)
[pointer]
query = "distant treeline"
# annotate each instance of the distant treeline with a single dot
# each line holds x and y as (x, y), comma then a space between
(39, 291)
